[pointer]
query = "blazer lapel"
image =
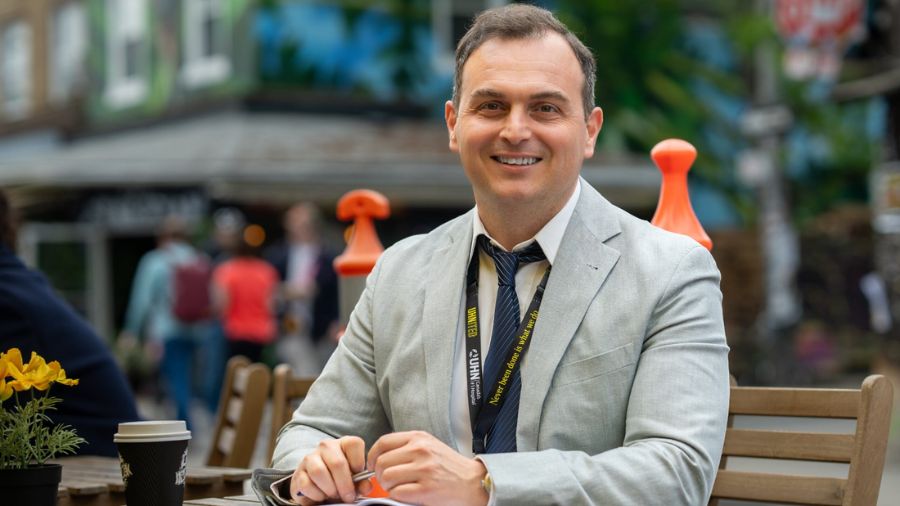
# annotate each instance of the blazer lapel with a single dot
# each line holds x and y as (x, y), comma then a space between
(581, 265)
(440, 317)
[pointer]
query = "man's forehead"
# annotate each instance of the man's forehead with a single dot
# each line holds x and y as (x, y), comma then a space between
(495, 55)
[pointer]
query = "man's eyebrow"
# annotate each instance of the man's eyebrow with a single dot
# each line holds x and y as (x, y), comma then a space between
(550, 95)
(543, 95)
(486, 93)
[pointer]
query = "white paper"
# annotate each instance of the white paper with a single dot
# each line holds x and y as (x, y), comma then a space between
(375, 502)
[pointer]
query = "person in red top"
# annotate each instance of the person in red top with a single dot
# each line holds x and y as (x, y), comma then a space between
(243, 294)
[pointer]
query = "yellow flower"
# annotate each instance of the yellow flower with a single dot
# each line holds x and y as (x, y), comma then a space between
(6, 389)
(14, 358)
(37, 373)
(61, 375)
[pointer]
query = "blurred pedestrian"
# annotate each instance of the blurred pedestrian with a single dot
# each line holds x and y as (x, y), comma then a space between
(243, 294)
(34, 318)
(308, 290)
(228, 225)
(169, 309)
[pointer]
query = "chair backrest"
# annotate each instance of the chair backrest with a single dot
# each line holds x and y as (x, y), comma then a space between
(243, 398)
(863, 450)
(287, 391)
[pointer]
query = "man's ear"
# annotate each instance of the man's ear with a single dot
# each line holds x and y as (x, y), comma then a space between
(450, 118)
(594, 124)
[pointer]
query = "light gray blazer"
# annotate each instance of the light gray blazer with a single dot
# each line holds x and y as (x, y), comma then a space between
(624, 389)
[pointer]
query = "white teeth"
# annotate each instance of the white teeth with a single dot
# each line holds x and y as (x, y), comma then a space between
(517, 161)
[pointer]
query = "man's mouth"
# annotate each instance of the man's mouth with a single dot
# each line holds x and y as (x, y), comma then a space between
(517, 160)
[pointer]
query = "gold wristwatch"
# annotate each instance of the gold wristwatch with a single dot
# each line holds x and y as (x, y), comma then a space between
(487, 483)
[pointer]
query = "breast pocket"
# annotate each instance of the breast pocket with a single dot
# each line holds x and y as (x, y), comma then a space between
(598, 365)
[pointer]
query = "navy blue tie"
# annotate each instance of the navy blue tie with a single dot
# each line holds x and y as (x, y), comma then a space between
(502, 436)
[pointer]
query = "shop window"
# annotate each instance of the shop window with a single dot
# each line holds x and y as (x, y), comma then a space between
(205, 43)
(15, 69)
(66, 50)
(127, 52)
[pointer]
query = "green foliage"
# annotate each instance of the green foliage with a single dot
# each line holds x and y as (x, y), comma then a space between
(26, 434)
(645, 74)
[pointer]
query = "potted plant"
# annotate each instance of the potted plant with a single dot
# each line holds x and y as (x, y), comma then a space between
(27, 437)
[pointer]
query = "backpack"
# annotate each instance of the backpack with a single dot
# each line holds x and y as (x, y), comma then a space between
(190, 290)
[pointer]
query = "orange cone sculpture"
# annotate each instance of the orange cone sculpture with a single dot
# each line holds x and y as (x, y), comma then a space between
(363, 247)
(674, 213)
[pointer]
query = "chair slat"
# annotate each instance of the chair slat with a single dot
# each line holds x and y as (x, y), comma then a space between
(788, 445)
(240, 380)
(817, 402)
(233, 410)
(225, 442)
(778, 488)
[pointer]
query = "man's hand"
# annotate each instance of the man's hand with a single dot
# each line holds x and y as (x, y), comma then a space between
(327, 472)
(418, 468)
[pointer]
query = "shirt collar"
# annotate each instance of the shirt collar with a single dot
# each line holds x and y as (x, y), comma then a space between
(549, 237)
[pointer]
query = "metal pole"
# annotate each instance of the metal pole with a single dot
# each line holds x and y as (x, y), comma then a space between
(778, 237)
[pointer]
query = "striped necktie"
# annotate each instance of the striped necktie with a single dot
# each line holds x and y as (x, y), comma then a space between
(502, 436)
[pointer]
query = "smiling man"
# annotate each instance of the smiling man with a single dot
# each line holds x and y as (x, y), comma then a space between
(544, 348)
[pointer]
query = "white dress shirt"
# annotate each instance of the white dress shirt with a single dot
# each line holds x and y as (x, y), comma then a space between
(527, 279)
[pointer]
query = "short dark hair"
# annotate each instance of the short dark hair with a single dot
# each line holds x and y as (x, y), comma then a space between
(520, 21)
(7, 223)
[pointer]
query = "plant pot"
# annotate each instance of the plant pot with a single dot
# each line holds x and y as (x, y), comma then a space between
(34, 485)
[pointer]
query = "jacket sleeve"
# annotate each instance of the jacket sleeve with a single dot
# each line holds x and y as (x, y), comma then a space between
(675, 421)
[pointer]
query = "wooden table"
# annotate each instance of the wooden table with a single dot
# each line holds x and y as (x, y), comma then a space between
(97, 481)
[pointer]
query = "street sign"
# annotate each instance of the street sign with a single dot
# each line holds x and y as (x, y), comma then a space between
(816, 33)
(818, 20)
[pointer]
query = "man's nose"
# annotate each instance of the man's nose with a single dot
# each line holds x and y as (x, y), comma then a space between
(516, 127)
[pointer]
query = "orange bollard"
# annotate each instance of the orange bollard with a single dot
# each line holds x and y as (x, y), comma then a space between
(674, 213)
(363, 247)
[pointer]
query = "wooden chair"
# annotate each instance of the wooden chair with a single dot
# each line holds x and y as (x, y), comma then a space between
(287, 391)
(243, 398)
(864, 451)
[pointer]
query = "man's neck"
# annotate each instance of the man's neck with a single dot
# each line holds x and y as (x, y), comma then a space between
(510, 227)
(514, 223)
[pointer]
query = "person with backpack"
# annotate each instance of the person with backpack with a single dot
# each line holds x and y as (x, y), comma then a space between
(169, 309)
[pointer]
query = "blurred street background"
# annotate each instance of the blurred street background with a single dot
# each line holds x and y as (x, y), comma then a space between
(118, 114)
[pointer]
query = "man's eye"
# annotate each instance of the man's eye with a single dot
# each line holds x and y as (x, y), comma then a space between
(489, 106)
(547, 108)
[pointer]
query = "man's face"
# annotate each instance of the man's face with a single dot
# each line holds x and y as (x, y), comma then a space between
(520, 130)
(298, 224)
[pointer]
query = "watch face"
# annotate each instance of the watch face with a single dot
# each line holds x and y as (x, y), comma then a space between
(487, 484)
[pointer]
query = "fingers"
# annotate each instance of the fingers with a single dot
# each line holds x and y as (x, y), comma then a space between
(387, 443)
(364, 487)
(302, 484)
(413, 493)
(326, 473)
(337, 479)
(355, 450)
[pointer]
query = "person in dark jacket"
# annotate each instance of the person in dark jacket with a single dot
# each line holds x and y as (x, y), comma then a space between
(309, 291)
(33, 317)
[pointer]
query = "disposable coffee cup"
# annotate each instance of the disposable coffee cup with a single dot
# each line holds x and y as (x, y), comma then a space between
(153, 458)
